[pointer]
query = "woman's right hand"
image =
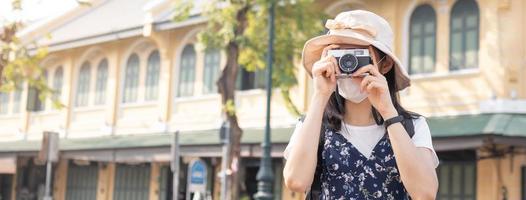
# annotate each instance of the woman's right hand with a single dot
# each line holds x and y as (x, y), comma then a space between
(300, 167)
(324, 73)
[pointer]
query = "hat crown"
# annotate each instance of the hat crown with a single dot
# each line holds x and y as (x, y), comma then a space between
(377, 27)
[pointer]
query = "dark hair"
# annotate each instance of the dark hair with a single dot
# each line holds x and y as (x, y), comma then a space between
(335, 109)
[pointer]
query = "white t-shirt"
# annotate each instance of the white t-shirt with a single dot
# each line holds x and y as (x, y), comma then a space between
(365, 138)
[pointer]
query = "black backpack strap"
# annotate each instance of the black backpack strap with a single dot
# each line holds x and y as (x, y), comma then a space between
(408, 126)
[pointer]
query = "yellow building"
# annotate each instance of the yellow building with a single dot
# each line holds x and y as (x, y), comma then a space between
(129, 77)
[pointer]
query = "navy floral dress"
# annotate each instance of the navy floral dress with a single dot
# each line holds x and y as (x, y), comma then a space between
(348, 174)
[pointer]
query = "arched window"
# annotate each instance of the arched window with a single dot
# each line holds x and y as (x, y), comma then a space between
(83, 83)
(422, 40)
(4, 102)
(100, 84)
(187, 71)
(211, 70)
(57, 82)
(34, 95)
(464, 35)
(131, 79)
(152, 76)
(250, 79)
(16, 99)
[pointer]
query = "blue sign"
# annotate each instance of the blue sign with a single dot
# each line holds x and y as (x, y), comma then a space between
(198, 172)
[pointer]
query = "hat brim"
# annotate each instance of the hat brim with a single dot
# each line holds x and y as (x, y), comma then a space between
(314, 47)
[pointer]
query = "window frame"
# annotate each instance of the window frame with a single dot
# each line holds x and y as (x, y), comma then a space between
(463, 9)
(85, 65)
(187, 53)
(153, 73)
(101, 82)
(58, 84)
(75, 175)
(134, 98)
(5, 105)
(123, 184)
(254, 80)
(462, 164)
(211, 70)
(40, 104)
(17, 100)
(419, 10)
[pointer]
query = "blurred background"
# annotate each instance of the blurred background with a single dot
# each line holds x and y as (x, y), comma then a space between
(116, 79)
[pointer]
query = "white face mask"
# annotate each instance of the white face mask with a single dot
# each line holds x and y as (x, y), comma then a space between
(350, 90)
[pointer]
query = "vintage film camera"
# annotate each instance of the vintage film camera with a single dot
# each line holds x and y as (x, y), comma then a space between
(350, 60)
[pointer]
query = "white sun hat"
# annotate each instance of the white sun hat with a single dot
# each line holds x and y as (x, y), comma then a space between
(357, 27)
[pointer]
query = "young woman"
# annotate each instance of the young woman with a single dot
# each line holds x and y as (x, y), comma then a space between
(366, 152)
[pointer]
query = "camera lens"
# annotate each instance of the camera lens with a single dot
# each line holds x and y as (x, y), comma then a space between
(348, 63)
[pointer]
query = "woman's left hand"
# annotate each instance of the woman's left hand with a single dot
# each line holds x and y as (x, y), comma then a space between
(377, 89)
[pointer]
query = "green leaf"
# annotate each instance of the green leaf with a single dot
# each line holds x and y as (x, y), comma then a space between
(295, 22)
(182, 10)
(229, 107)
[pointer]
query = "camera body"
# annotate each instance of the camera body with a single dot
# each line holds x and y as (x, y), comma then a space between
(350, 60)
